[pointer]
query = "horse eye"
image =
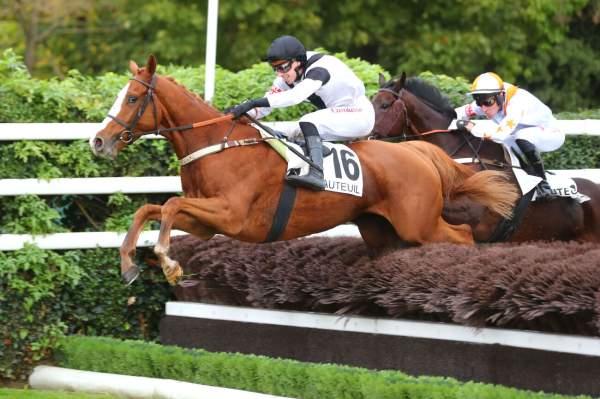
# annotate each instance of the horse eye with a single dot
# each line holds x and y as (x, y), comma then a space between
(131, 99)
(385, 105)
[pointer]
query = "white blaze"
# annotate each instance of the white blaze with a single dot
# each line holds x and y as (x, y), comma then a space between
(116, 107)
(114, 111)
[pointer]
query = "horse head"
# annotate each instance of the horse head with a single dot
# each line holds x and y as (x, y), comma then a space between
(135, 112)
(391, 114)
(406, 107)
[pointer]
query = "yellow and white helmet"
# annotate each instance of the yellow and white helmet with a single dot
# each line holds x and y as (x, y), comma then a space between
(487, 83)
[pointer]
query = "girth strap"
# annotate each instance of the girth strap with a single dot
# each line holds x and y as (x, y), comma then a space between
(507, 227)
(283, 212)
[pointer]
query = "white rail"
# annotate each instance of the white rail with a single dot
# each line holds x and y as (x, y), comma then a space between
(104, 239)
(395, 327)
(150, 184)
(71, 131)
(129, 386)
(76, 131)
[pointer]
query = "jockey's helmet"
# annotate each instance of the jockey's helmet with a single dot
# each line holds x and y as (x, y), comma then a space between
(487, 89)
(487, 83)
(286, 48)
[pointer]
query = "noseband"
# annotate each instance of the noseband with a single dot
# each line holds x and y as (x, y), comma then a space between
(127, 136)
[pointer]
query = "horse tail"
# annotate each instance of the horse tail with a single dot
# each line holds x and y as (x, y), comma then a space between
(489, 188)
(492, 189)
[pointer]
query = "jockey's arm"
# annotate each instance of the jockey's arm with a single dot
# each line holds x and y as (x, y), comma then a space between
(279, 97)
(468, 111)
(507, 126)
(299, 93)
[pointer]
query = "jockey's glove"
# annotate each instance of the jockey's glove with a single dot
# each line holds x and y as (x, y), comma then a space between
(461, 124)
(241, 109)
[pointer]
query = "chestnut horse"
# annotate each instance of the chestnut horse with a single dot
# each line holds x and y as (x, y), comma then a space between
(409, 109)
(234, 189)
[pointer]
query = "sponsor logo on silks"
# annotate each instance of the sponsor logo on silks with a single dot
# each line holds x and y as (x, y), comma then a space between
(342, 170)
(275, 89)
(469, 110)
(346, 109)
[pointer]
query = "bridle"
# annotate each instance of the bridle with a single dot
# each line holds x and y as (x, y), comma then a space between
(408, 126)
(416, 135)
(126, 135)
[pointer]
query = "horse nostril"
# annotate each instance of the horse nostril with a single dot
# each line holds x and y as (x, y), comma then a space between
(98, 143)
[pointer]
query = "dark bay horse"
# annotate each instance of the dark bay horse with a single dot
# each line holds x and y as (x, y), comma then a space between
(234, 188)
(409, 109)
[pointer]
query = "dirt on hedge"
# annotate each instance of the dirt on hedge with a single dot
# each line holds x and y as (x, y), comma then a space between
(543, 286)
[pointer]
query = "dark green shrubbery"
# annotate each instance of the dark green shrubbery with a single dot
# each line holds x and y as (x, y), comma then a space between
(46, 294)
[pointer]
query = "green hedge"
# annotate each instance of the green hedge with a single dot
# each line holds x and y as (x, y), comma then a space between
(46, 294)
(271, 376)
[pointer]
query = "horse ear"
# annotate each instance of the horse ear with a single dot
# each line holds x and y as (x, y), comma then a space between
(133, 67)
(151, 64)
(400, 83)
(381, 80)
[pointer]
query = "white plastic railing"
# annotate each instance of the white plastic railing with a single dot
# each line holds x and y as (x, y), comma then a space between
(77, 131)
(71, 131)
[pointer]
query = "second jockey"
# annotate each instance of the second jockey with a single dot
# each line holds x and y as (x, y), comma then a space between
(521, 118)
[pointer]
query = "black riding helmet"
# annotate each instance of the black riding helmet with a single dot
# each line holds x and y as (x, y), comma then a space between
(286, 48)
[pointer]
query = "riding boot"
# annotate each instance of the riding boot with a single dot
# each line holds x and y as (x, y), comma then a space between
(537, 166)
(314, 178)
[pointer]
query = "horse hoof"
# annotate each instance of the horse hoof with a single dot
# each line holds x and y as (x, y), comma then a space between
(174, 275)
(131, 274)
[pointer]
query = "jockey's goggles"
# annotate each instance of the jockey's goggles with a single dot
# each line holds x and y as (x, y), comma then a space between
(488, 101)
(283, 67)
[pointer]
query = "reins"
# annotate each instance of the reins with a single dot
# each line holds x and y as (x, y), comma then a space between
(407, 137)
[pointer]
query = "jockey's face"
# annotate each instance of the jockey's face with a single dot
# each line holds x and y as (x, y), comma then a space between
(489, 105)
(490, 111)
(287, 70)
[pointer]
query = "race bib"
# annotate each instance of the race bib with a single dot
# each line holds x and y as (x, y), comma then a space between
(343, 173)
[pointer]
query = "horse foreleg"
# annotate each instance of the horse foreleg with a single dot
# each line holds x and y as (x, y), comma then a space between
(213, 213)
(129, 270)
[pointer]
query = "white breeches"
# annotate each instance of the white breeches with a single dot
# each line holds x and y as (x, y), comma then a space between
(545, 139)
(339, 123)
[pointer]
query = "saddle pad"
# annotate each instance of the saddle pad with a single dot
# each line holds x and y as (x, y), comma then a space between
(341, 166)
(562, 186)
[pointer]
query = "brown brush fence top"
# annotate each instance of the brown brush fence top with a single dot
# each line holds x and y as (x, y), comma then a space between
(552, 287)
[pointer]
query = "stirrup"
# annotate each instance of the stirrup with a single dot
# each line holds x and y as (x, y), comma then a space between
(313, 180)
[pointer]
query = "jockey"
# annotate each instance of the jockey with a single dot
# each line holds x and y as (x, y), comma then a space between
(522, 119)
(344, 112)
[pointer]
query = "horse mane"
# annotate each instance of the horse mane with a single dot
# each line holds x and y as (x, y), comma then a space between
(191, 94)
(430, 94)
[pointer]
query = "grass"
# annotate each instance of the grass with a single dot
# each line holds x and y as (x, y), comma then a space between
(9, 393)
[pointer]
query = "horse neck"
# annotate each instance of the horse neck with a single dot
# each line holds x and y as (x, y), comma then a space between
(422, 116)
(180, 108)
